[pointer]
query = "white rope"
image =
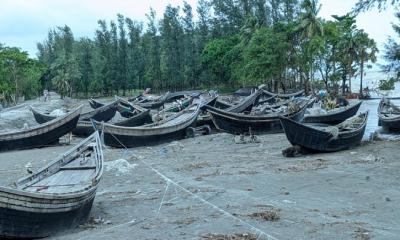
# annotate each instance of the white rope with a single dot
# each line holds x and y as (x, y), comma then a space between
(162, 199)
(170, 181)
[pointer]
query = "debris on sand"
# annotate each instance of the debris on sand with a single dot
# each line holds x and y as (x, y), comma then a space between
(120, 165)
(237, 236)
(244, 139)
(267, 215)
(294, 151)
(92, 222)
(363, 234)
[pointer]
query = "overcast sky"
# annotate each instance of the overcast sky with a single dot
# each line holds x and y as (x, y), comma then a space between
(23, 23)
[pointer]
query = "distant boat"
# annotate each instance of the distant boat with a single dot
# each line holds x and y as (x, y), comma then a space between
(139, 116)
(95, 104)
(103, 113)
(41, 117)
(55, 198)
(323, 137)
(152, 104)
(334, 116)
(243, 106)
(172, 128)
(42, 135)
(389, 115)
(281, 95)
(237, 123)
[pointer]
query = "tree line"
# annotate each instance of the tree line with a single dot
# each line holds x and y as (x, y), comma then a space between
(19, 75)
(231, 43)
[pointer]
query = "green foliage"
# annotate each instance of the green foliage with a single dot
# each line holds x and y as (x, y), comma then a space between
(364, 5)
(217, 58)
(265, 57)
(19, 75)
(283, 44)
(387, 84)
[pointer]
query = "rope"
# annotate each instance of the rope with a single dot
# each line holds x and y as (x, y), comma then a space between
(195, 196)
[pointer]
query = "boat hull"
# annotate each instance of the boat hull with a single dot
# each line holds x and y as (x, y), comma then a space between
(120, 141)
(42, 118)
(25, 224)
(319, 141)
(236, 124)
(83, 129)
(43, 138)
(334, 118)
(103, 116)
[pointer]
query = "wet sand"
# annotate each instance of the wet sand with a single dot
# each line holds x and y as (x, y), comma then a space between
(190, 188)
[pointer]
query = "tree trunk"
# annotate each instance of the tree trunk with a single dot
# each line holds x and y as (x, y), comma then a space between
(362, 74)
(344, 83)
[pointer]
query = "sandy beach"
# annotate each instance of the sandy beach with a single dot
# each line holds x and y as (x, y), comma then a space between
(210, 187)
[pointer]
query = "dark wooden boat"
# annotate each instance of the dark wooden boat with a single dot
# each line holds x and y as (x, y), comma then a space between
(389, 115)
(204, 118)
(246, 104)
(181, 94)
(140, 96)
(179, 105)
(334, 116)
(323, 137)
(172, 128)
(152, 104)
(104, 113)
(129, 110)
(55, 198)
(41, 117)
(42, 135)
(95, 104)
(279, 95)
(101, 114)
(246, 91)
(140, 116)
(237, 123)
(222, 104)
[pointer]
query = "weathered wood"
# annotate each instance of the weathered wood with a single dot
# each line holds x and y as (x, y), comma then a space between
(57, 197)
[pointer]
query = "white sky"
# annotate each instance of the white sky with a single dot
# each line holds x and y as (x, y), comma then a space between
(23, 23)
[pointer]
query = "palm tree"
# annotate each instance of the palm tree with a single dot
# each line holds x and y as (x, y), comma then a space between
(366, 51)
(310, 26)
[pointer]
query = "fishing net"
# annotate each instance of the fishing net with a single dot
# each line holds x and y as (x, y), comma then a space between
(349, 124)
(334, 131)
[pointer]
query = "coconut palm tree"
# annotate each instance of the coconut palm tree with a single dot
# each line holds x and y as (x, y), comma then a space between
(310, 26)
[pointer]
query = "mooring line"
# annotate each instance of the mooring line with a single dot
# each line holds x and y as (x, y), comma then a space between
(170, 181)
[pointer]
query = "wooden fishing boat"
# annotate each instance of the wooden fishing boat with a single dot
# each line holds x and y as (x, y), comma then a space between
(181, 94)
(42, 135)
(179, 105)
(172, 128)
(269, 94)
(246, 91)
(222, 104)
(204, 118)
(323, 137)
(152, 104)
(129, 110)
(104, 113)
(55, 198)
(139, 96)
(237, 123)
(389, 115)
(41, 117)
(139, 117)
(95, 104)
(334, 116)
(246, 104)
